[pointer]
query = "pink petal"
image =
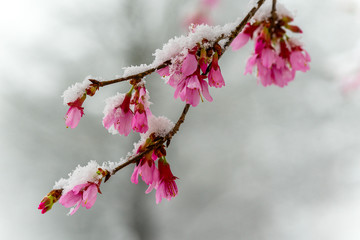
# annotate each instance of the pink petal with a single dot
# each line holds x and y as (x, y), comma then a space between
(135, 175)
(205, 90)
(189, 65)
(268, 57)
(80, 187)
(250, 64)
(240, 40)
(163, 71)
(89, 196)
(192, 97)
(109, 119)
(73, 117)
(215, 78)
(70, 199)
(264, 74)
(75, 208)
(193, 82)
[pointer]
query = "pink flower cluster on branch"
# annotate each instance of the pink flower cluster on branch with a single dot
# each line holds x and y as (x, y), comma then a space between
(276, 56)
(188, 71)
(159, 178)
(124, 112)
(191, 69)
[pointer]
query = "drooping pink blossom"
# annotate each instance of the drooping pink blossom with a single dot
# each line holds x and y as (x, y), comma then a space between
(167, 187)
(75, 112)
(276, 56)
(215, 77)
(120, 117)
(81, 195)
(148, 172)
(185, 77)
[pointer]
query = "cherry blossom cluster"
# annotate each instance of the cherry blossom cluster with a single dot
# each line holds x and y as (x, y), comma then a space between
(159, 178)
(124, 112)
(188, 71)
(276, 56)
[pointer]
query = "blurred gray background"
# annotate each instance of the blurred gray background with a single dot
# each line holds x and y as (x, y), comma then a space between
(256, 163)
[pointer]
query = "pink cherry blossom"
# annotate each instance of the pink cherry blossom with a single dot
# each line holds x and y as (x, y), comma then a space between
(167, 187)
(81, 195)
(75, 112)
(215, 77)
(276, 56)
(73, 116)
(148, 172)
(120, 117)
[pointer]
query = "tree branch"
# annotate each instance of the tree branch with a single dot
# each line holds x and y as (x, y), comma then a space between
(232, 36)
(240, 27)
(157, 144)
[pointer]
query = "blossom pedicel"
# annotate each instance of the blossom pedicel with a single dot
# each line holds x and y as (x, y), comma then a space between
(276, 55)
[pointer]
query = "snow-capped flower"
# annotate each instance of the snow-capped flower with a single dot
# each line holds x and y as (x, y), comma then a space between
(167, 187)
(120, 117)
(81, 195)
(184, 75)
(74, 97)
(49, 200)
(124, 112)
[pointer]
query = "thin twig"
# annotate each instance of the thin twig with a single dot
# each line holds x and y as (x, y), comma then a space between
(134, 76)
(273, 18)
(157, 144)
(231, 37)
(240, 27)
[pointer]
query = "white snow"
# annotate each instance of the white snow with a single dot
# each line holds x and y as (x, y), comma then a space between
(177, 45)
(77, 90)
(264, 11)
(79, 176)
(161, 126)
